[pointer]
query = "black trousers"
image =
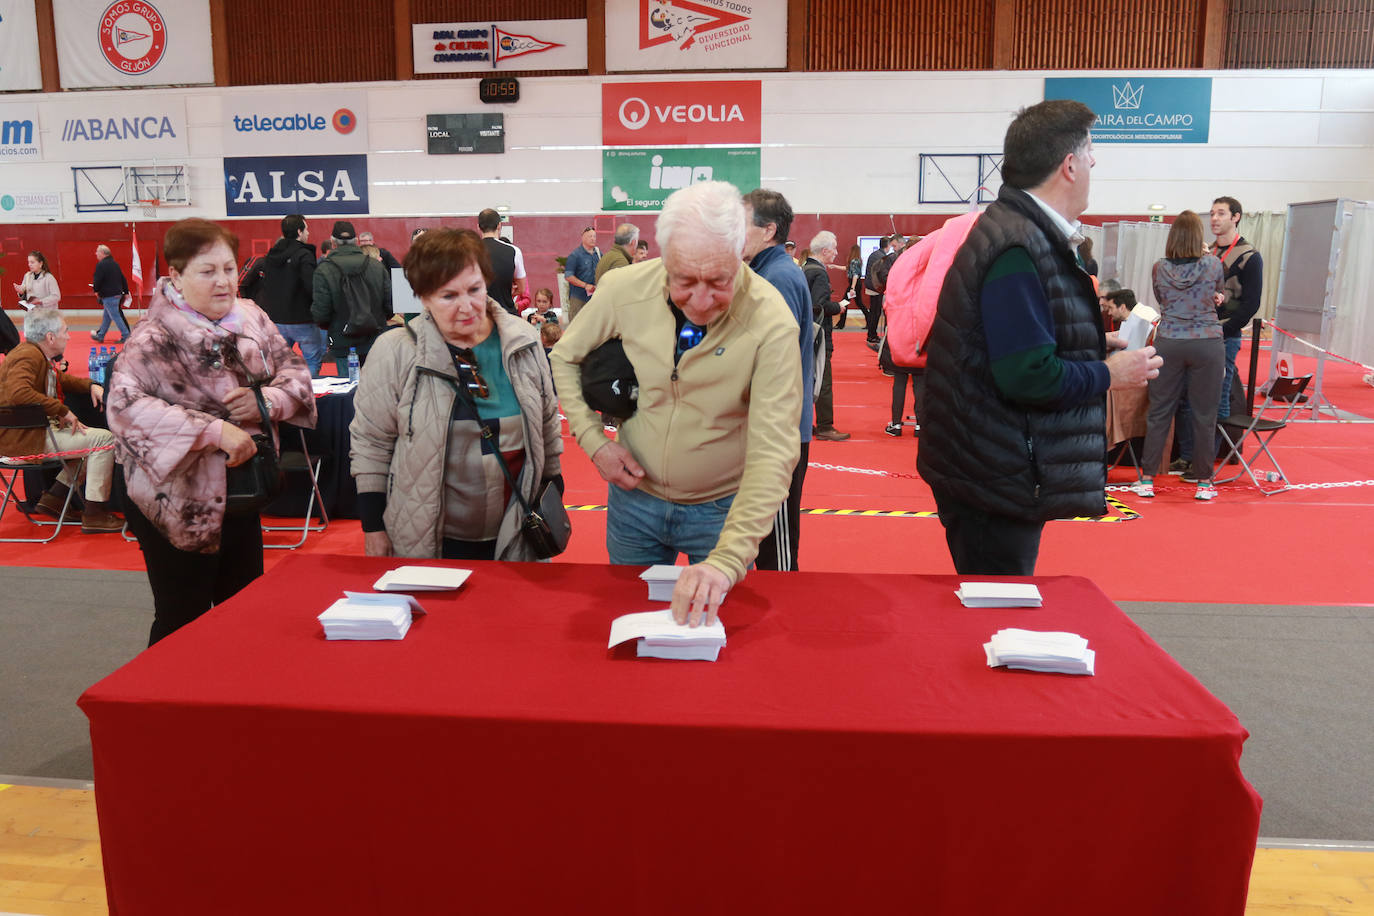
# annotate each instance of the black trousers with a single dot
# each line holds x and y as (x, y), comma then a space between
(982, 544)
(873, 315)
(918, 393)
(187, 584)
(778, 549)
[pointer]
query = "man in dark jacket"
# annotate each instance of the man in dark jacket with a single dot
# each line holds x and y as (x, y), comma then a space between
(1015, 426)
(330, 308)
(285, 290)
(110, 288)
(507, 262)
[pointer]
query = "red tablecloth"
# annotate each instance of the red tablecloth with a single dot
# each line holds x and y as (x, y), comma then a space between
(850, 752)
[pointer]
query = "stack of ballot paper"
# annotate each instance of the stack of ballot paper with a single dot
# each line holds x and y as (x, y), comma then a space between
(421, 579)
(332, 384)
(661, 637)
(1030, 650)
(998, 594)
(364, 615)
(662, 580)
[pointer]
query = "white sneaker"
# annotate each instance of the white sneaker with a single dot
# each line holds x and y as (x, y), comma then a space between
(1145, 490)
(1205, 491)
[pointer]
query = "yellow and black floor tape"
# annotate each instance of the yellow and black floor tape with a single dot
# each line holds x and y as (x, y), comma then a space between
(1126, 512)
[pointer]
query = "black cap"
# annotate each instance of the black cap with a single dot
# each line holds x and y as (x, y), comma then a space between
(609, 383)
(343, 229)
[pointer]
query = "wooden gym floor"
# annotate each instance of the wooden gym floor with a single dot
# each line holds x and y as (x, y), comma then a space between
(50, 864)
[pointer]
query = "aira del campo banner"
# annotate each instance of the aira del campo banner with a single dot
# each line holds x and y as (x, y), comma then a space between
(133, 43)
(1141, 109)
(19, 69)
(695, 35)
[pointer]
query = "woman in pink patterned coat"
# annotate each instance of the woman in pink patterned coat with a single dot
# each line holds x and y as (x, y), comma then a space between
(182, 413)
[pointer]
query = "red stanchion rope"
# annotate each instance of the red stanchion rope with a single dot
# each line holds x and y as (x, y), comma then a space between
(1306, 343)
(78, 453)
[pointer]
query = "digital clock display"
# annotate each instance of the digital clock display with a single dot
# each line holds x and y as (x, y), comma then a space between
(499, 89)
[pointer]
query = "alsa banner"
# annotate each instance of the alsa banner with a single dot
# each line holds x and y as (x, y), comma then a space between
(132, 126)
(279, 185)
(299, 123)
(678, 113)
(695, 34)
(133, 43)
(467, 47)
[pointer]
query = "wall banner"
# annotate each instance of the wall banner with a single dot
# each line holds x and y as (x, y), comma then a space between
(298, 123)
(24, 206)
(19, 134)
(641, 179)
(466, 47)
(649, 114)
(133, 43)
(1150, 109)
(696, 35)
(19, 67)
(141, 127)
(280, 185)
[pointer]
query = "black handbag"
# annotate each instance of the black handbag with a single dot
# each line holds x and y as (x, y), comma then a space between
(250, 486)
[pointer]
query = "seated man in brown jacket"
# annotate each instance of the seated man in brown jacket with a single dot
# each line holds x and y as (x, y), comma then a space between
(27, 376)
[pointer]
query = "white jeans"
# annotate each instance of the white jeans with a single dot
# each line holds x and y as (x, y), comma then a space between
(99, 465)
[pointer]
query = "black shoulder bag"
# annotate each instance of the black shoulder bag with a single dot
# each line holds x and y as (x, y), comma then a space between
(546, 527)
(250, 486)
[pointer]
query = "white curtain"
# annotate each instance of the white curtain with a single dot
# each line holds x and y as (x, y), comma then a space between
(1265, 233)
(1138, 246)
(1353, 288)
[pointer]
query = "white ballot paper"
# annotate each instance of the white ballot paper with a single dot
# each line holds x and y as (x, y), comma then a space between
(421, 579)
(1135, 330)
(332, 384)
(661, 637)
(368, 615)
(1032, 650)
(998, 594)
(662, 580)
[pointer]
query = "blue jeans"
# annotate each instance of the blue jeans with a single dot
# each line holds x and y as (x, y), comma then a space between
(643, 530)
(111, 306)
(1232, 351)
(311, 341)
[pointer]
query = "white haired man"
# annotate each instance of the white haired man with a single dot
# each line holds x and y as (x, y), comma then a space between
(28, 376)
(824, 248)
(706, 460)
(623, 254)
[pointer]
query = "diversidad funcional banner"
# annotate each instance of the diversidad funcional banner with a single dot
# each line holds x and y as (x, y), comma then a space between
(696, 35)
(466, 47)
(133, 43)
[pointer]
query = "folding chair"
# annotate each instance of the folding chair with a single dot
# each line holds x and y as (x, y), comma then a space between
(1282, 391)
(32, 416)
(295, 463)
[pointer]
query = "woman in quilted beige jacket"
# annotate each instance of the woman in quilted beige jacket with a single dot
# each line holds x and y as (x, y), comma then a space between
(441, 405)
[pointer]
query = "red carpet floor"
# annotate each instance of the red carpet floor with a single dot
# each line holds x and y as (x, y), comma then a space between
(1305, 546)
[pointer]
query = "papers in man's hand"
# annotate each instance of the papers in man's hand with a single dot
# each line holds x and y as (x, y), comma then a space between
(1135, 330)
(365, 615)
(332, 384)
(662, 580)
(421, 579)
(660, 637)
(998, 594)
(1031, 650)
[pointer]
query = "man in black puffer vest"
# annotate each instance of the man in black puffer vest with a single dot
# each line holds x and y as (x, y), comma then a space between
(1015, 428)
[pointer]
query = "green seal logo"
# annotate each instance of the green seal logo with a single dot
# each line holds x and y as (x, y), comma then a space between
(7, 202)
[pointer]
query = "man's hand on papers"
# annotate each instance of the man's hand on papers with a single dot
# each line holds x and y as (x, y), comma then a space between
(1134, 368)
(699, 592)
(376, 543)
(1114, 341)
(618, 466)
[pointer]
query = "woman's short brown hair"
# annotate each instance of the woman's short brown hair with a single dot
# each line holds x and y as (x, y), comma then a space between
(442, 254)
(189, 237)
(1185, 237)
